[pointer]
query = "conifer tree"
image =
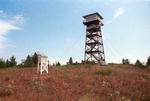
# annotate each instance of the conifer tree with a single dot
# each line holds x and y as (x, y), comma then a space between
(70, 60)
(12, 61)
(138, 63)
(148, 61)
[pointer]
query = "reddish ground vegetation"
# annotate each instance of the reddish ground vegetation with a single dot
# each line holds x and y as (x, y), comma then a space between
(76, 83)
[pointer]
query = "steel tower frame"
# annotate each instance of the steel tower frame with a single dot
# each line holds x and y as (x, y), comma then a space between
(94, 49)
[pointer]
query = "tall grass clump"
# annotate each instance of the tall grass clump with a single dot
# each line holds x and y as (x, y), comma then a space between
(103, 72)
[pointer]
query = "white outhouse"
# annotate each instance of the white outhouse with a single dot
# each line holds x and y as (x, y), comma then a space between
(42, 64)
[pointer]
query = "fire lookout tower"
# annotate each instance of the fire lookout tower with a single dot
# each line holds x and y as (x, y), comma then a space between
(94, 50)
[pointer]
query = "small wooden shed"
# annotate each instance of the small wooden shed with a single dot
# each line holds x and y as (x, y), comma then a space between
(42, 63)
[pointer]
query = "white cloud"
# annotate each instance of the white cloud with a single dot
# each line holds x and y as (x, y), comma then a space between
(5, 27)
(119, 12)
(8, 24)
(17, 19)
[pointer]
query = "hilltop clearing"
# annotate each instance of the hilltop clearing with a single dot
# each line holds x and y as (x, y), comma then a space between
(76, 83)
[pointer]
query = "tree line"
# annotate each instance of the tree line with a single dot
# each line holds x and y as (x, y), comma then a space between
(30, 61)
(9, 62)
(137, 63)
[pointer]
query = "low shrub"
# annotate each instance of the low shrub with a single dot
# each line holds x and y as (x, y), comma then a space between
(146, 98)
(49, 79)
(37, 85)
(88, 98)
(7, 90)
(103, 72)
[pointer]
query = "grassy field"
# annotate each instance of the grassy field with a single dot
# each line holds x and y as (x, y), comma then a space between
(76, 83)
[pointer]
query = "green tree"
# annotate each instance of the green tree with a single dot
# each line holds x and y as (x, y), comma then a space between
(7, 63)
(53, 64)
(35, 59)
(70, 60)
(125, 61)
(2, 63)
(138, 63)
(58, 64)
(28, 62)
(12, 62)
(148, 61)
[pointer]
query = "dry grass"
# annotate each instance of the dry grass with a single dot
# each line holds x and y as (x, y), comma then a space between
(36, 84)
(103, 72)
(76, 83)
(7, 90)
(88, 98)
(145, 98)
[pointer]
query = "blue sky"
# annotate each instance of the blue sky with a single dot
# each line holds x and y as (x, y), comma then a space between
(54, 28)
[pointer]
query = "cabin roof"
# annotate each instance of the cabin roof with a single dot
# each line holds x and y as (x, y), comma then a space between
(93, 14)
(42, 55)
